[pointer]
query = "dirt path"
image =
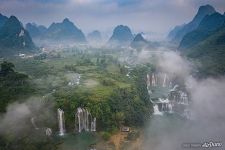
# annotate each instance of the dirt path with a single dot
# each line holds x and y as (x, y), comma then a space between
(117, 139)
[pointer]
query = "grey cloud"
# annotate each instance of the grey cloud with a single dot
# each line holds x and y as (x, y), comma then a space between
(145, 15)
(17, 119)
(207, 111)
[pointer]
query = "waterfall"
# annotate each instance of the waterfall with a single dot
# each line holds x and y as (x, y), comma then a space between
(170, 84)
(158, 79)
(78, 80)
(33, 123)
(156, 110)
(84, 120)
(48, 132)
(170, 107)
(183, 98)
(153, 80)
(61, 120)
(174, 88)
(148, 84)
(163, 108)
(148, 80)
(93, 125)
(176, 101)
(79, 113)
(164, 80)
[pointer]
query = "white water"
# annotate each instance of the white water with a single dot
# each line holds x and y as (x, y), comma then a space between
(170, 107)
(83, 120)
(170, 84)
(93, 125)
(33, 123)
(164, 80)
(61, 121)
(156, 110)
(174, 88)
(158, 79)
(148, 80)
(176, 102)
(183, 98)
(48, 132)
(153, 80)
(79, 113)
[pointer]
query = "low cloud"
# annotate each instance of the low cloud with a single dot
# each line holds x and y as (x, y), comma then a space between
(172, 63)
(17, 118)
(207, 113)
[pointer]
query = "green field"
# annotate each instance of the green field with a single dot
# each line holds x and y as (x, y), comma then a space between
(103, 88)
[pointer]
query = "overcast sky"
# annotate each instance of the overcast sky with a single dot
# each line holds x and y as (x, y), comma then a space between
(140, 15)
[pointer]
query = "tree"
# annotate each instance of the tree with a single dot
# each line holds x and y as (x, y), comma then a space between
(13, 85)
(6, 68)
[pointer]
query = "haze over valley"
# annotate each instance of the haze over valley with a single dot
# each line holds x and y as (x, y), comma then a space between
(112, 75)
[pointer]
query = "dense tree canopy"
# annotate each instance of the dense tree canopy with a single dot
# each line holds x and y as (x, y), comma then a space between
(13, 85)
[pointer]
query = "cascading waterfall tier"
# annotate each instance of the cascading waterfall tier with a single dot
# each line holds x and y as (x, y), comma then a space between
(176, 101)
(179, 97)
(158, 79)
(162, 106)
(156, 110)
(61, 121)
(84, 121)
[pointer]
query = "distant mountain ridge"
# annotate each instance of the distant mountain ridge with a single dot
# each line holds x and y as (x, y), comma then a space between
(14, 38)
(209, 25)
(174, 31)
(122, 35)
(94, 36)
(210, 53)
(178, 33)
(204, 44)
(139, 38)
(63, 31)
(35, 30)
(139, 41)
(3, 19)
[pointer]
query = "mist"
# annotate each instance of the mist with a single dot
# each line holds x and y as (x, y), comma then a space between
(155, 16)
(207, 120)
(17, 119)
(138, 83)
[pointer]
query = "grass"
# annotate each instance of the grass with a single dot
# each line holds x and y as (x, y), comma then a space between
(99, 91)
(112, 69)
(51, 74)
